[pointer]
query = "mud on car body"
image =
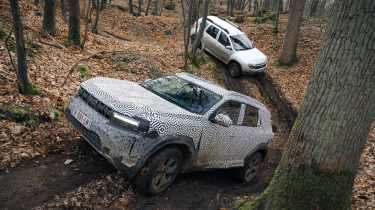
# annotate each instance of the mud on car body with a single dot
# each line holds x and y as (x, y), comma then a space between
(155, 130)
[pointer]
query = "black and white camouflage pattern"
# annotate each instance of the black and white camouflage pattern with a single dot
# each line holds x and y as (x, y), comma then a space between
(217, 146)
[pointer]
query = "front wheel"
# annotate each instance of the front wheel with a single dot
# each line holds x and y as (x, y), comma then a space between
(251, 167)
(234, 69)
(159, 172)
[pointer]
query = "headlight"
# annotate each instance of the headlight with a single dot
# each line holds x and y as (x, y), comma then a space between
(134, 123)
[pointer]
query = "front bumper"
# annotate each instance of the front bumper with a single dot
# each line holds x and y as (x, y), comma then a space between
(248, 69)
(119, 146)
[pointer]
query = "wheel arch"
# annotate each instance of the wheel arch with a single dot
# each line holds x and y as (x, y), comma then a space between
(183, 143)
(261, 148)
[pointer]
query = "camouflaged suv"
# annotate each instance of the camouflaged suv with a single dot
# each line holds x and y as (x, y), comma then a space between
(162, 127)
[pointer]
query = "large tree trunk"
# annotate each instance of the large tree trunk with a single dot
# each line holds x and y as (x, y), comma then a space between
(322, 155)
(24, 84)
(49, 17)
(289, 52)
(74, 22)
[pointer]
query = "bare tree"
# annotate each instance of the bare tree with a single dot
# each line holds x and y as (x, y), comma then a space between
(130, 4)
(140, 2)
(49, 17)
(321, 159)
(289, 52)
(63, 10)
(198, 38)
(74, 22)
(24, 84)
(97, 16)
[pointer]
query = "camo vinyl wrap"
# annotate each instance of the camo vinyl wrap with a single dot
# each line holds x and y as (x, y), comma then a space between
(215, 143)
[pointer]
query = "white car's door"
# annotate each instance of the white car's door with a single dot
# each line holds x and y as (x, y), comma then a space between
(216, 145)
(209, 39)
(222, 47)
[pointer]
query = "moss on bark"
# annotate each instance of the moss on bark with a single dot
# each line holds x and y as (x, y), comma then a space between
(305, 188)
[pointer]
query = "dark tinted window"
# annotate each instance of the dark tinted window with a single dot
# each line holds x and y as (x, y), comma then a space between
(251, 117)
(223, 39)
(183, 93)
(232, 109)
(212, 31)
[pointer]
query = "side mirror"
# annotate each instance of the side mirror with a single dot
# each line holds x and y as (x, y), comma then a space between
(228, 47)
(223, 120)
(147, 80)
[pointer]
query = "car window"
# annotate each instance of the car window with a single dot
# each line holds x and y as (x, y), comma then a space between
(183, 93)
(232, 109)
(251, 117)
(212, 31)
(223, 39)
(241, 42)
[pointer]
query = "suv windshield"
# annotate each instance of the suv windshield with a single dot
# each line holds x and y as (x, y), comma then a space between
(183, 93)
(241, 42)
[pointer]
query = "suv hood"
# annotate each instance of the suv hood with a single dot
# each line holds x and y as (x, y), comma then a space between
(253, 56)
(130, 98)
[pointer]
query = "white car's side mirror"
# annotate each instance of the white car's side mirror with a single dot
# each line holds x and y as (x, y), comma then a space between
(228, 47)
(223, 120)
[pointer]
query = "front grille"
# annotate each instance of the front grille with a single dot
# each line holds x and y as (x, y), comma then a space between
(258, 66)
(94, 103)
(90, 136)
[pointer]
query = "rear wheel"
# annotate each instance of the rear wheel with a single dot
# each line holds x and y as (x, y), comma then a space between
(251, 167)
(234, 69)
(159, 172)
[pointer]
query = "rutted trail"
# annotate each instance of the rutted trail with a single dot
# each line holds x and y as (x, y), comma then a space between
(40, 179)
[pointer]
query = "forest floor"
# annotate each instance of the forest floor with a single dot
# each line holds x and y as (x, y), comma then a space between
(44, 164)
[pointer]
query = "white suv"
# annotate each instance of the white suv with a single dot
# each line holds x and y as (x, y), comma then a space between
(227, 42)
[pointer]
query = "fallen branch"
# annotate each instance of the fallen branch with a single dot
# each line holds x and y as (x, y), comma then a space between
(95, 55)
(58, 45)
(50, 44)
(6, 76)
(117, 36)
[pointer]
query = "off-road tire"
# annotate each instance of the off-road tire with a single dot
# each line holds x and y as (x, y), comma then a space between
(146, 181)
(252, 167)
(234, 69)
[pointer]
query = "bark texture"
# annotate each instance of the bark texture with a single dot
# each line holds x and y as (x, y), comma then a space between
(74, 22)
(319, 164)
(49, 17)
(289, 52)
(197, 41)
(24, 84)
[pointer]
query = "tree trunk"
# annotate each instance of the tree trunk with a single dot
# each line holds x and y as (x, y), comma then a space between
(319, 165)
(130, 2)
(49, 17)
(95, 26)
(74, 22)
(24, 84)
(289, 54)
(201, 28)
(63, 10)
(140, 7)
(277, 17)
(148, 7)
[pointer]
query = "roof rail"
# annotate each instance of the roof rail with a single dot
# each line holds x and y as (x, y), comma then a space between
(224, 29)
(230, 22)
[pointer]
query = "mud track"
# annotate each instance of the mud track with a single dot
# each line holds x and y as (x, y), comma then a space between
(39, 180)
